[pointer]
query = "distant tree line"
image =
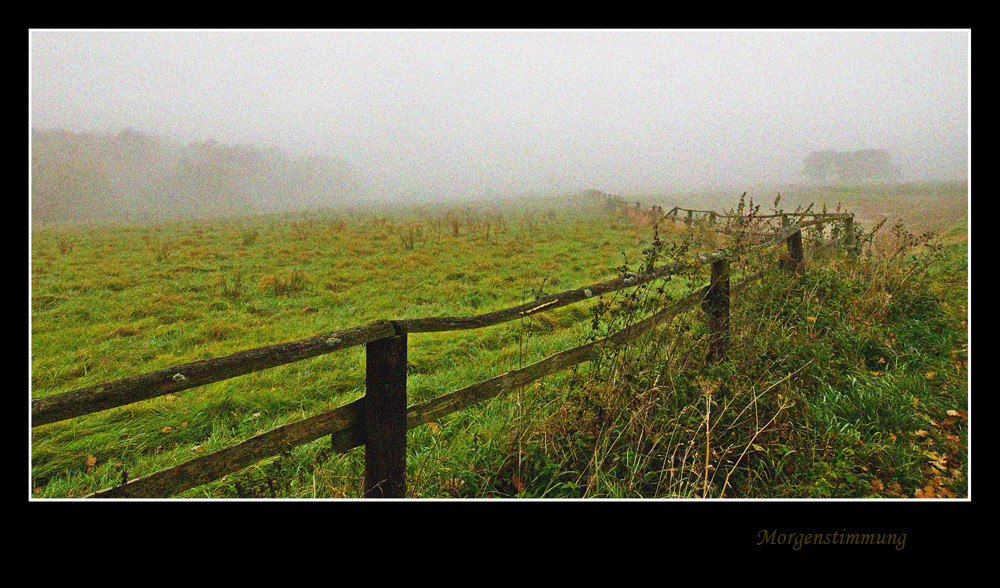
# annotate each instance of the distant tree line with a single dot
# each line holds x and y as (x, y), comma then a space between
(80, 176)
(864, 165)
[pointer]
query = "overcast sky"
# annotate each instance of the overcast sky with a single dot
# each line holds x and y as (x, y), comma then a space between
(447, 112)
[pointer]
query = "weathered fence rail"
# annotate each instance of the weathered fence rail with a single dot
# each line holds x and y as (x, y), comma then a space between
(379, 420)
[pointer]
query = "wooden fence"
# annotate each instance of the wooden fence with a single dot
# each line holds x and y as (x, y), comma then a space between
(379, 420)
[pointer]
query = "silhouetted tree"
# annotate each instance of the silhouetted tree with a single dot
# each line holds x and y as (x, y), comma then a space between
(81, 175)
(850, 166)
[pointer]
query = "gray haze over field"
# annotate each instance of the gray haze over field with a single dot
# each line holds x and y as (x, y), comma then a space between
(442, 113)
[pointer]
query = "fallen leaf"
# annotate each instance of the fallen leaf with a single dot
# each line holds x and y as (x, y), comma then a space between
(930, 375)
(945, 493)
(518, 484)
(167, 429)
(938, 462)
(198, 448)
(811, 319)
(434, 427)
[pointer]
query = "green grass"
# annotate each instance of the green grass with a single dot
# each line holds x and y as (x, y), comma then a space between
(117, 300)
(849, 381)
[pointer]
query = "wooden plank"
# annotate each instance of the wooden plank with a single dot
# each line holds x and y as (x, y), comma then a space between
(824, 215)
(213, 466)
(57, 407)
(470, 395)
(544, 303)
(431, 410)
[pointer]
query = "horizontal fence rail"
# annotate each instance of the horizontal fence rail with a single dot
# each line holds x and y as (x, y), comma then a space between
(380, 419)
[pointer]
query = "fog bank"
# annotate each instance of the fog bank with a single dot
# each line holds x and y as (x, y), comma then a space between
(444, 113)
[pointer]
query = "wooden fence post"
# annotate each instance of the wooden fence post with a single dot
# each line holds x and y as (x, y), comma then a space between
(716, 304)
(794, 242)
(849, 233)
(385, 418)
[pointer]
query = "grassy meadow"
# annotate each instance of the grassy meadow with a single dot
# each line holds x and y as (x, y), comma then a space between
(849, 381)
